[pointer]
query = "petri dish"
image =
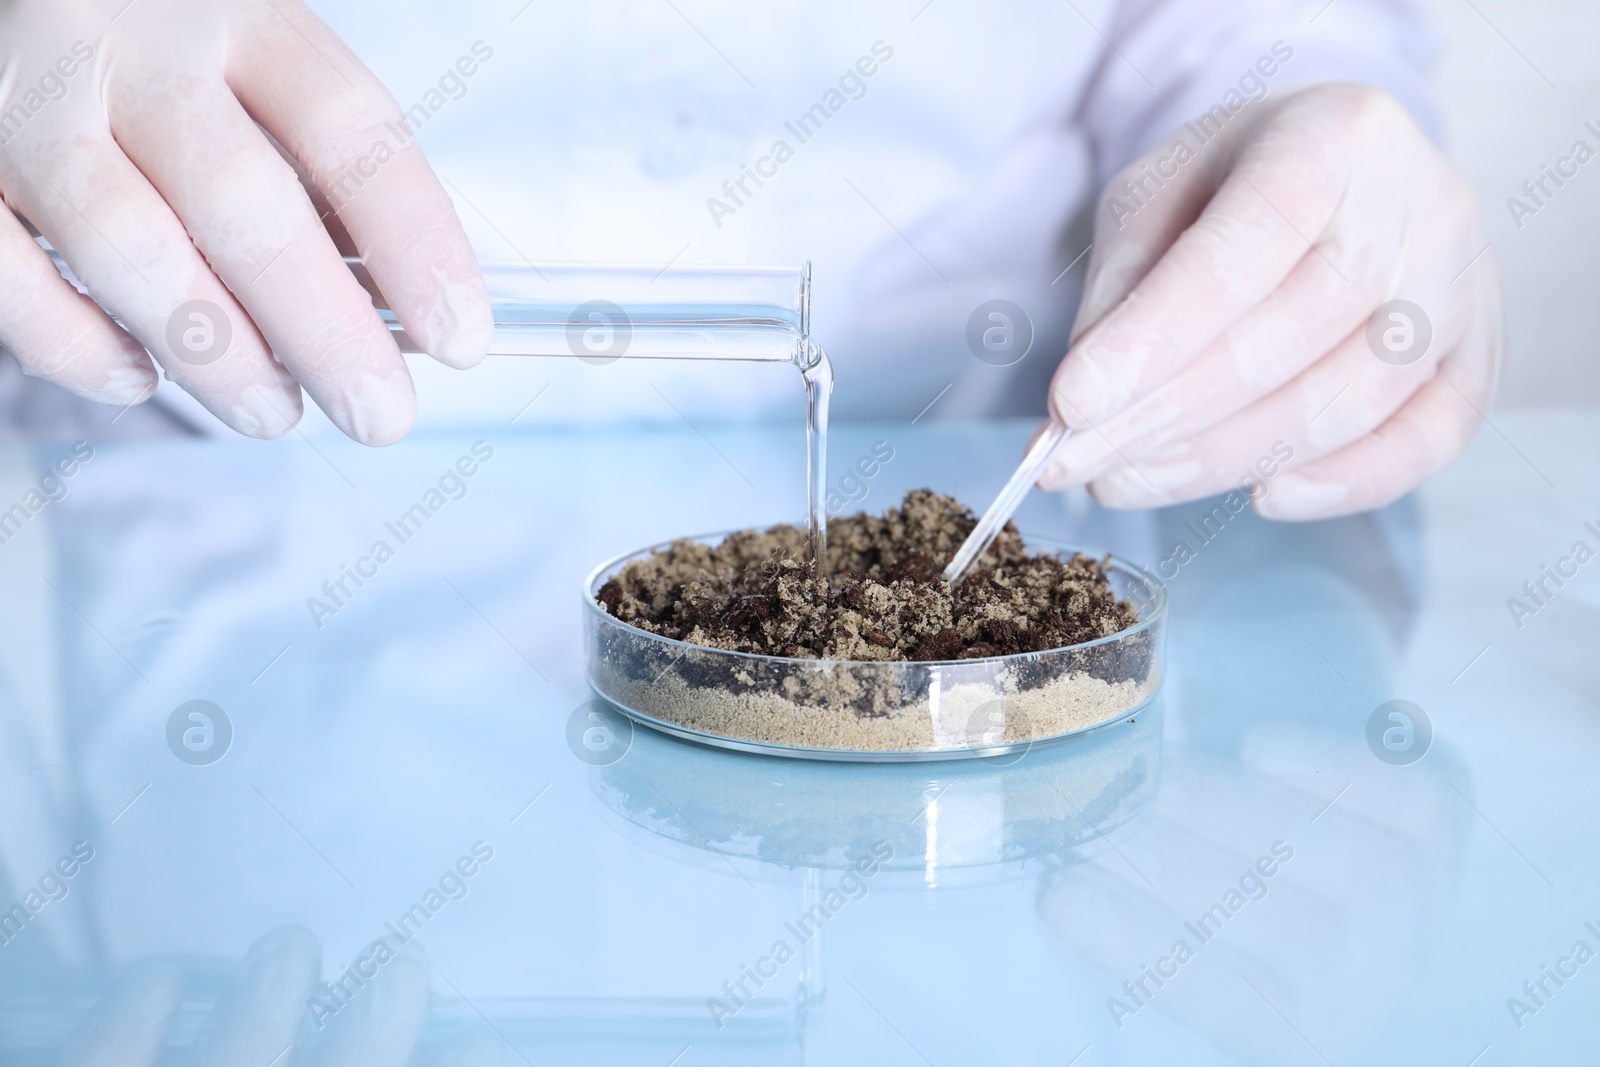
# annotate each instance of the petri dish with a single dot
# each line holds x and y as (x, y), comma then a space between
(873, 710)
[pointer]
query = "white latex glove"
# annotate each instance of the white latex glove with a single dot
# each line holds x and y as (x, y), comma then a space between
(130, 140)
(1225, 319)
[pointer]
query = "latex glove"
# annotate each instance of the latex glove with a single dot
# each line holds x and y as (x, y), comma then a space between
(130, 141)
(1224, 327)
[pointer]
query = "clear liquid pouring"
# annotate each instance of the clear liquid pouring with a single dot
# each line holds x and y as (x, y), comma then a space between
(603, 312)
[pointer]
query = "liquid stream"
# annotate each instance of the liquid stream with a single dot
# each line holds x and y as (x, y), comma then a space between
(819, 385)
(758, 314)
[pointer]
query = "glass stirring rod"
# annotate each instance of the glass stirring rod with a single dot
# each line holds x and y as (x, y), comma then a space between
(1005, 505)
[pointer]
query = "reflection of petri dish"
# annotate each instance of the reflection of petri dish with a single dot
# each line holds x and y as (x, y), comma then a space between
(959, 823)
(882, 711)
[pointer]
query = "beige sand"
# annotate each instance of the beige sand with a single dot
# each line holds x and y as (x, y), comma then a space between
(957, 716)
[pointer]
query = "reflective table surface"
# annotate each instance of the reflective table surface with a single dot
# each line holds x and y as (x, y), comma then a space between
(301, 768)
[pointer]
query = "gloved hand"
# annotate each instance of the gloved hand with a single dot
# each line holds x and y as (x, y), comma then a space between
(1224, 332)
(130, 139)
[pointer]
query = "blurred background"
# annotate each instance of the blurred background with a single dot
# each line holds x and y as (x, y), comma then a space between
(1516, 81)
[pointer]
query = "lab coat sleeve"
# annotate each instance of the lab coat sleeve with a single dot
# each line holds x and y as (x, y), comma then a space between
(1167, 61)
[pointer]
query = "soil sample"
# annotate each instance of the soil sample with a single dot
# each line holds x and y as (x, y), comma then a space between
(852, 649)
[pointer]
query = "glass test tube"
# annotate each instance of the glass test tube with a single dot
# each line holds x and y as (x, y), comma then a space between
(602, 312)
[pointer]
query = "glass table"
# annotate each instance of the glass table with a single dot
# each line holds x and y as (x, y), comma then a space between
(298, 771)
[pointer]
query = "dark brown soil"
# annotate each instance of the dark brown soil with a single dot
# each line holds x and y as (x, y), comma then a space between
(886, 601)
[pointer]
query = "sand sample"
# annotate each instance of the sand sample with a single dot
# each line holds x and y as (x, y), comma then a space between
(885, 656)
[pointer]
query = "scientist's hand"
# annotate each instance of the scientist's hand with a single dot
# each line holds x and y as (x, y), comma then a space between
(1236, 328)
(130, 139)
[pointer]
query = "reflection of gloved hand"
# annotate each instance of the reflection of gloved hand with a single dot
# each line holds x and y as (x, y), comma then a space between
(262, 1019)
(1227, 312)
(129, 140)
(1336, 924)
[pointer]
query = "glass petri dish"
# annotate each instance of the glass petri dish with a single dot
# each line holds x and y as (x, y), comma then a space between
(874, 710)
